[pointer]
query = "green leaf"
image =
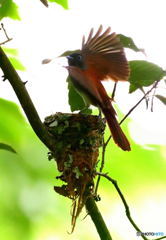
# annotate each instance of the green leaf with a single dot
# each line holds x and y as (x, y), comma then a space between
(143, 74)
(67, 53)
(11, 51)
(63, 3)
(128, 42)
(11, 122)
(9, 9)
(6, 147)
(17, 64)
(76, 102)
(86, 111)
(161, 98)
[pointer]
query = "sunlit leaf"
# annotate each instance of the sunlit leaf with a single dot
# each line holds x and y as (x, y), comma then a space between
(9, 9)
(63, 3)
(144, 74)
(6, 147)
(10, 51)
(128, 42)
(17, 64)
(161, 98)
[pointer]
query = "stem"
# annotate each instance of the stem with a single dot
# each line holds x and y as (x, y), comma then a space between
(132, 109)
(97, 219)
(114, 182)
(25, 101)
(101, 166)
(114, 90)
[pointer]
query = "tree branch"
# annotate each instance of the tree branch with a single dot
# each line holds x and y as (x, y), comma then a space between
(160, 238)
(97, 219)
(25, 101)
(128, 214)
(6, 35)
(132, 109)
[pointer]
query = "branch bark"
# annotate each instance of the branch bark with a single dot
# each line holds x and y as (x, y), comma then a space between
(97, 219)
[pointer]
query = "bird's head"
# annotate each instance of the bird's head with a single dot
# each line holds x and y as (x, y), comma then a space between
(76, 60)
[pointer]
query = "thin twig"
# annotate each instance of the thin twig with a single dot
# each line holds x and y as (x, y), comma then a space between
(114, 90)
(2, 43)
(101, 166)
(6, 35)
(131, 110)
(146, 98)
(160, 238)
(104, 146)
(152, 101)
(128, 214)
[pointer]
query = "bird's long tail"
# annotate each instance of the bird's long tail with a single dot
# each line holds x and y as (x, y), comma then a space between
(117, 133)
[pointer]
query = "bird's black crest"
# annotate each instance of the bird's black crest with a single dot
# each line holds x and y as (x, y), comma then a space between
(76, 59)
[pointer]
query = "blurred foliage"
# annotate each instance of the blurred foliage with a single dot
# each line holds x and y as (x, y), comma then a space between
(9, 9)
(63, 3)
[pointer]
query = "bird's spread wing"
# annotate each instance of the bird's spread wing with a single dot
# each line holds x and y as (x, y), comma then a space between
(104, 55)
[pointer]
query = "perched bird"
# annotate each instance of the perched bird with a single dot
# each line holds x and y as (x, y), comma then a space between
(101, 58)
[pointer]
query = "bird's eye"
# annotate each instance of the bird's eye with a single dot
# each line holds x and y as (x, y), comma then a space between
(79, 57)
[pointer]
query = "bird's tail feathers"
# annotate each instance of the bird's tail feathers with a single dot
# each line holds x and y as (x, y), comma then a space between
(118, 136)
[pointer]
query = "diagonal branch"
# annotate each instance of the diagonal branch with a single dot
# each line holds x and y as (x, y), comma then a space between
(25, 101)
(134, 107)
(97, 219)
(6, 35)
(160, 238)
(128, 214)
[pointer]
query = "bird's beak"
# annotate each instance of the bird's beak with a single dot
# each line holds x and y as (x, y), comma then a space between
(69, 57)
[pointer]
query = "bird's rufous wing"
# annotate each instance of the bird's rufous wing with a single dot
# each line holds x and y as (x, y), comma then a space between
(104, 55)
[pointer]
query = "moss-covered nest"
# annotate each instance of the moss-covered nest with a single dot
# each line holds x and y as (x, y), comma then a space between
(78, 138)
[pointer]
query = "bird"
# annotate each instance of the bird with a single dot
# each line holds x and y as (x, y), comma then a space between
(101, 58)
